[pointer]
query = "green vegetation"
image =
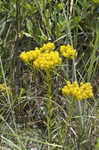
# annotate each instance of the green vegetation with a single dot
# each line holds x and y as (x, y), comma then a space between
(49, 74)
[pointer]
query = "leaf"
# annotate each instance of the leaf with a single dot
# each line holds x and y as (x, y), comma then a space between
(26, 34)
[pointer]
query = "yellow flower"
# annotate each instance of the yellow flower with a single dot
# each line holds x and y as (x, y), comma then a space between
(65, 91)
(47, 60)
(83, 91)
(29, 56)
(24, 57)
(48, 47)
(68, 51)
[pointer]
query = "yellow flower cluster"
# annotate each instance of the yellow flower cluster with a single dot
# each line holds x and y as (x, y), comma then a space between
(48, 47)
(68, 51)
(44, 58)
(83, 91)
(47, 60)
(3, 88)
(30, 55)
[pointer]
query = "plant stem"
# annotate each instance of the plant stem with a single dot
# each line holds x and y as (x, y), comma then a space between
(68, 119)
(49, 105)
(70, 113)
(49, 82)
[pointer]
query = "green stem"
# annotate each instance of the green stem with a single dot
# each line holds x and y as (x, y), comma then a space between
(49, 105)
(80, 111)
(68, 119)
(75, 37)
(48, 77)
(71, 42)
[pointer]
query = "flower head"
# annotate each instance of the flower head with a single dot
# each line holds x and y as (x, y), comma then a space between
(47, 60)
(43, 58)
(83, 91)
(48, 47)
(68, 51)
(30, 55)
